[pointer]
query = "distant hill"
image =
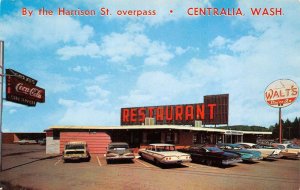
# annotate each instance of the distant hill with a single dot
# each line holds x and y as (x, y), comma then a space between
(245, 128)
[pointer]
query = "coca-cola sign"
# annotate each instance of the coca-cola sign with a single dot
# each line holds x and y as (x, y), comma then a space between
(21, 89)
(281, 93)
(33, 92)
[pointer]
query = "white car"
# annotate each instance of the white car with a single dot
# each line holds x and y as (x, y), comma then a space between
(267, 152)
(25, 141)
(289, 150)
(164, 154)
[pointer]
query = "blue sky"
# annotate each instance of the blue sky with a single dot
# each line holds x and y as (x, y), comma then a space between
(93, 66)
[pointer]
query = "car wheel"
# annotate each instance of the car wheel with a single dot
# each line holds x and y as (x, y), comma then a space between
(209, 162)
(219, 163)
(142, 156)
(157, 163)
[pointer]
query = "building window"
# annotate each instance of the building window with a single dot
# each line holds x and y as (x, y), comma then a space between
(195, 139)
(153, 137)
(56, 135)
(171, 138)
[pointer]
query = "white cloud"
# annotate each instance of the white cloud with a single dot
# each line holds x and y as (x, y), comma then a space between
(90, 49)
(87, 113)
(219, 42)
(244, 44)
(12, 111)
(119, 48)
(55, 83)
(5, 130)
(154, 88)
(48, 30)
(96, 92)
(80, 69)
(158, 54)
(11, 104)
(180, 50)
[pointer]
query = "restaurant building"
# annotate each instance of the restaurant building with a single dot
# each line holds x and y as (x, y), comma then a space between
(182, 125)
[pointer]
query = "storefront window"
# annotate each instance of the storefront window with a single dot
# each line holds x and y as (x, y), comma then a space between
(154, 137)
(195, 138)
(171, 138)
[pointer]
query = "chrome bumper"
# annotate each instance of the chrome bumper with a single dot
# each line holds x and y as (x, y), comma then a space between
(228, 162)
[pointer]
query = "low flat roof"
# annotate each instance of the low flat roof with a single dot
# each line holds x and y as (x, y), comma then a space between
(175, 127)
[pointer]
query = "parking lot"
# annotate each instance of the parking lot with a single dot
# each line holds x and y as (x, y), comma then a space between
(29, 166)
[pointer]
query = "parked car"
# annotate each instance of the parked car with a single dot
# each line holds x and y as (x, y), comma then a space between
(289, 150)
(211, 155)
(119, 151)
(247, 155)
(164, 154)
(76, 150)
(26, 141)
(42, 141)
(267, 151)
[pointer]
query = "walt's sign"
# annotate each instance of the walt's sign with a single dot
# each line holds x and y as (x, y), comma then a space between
(281, 93)
(22, 89)
(214, 110)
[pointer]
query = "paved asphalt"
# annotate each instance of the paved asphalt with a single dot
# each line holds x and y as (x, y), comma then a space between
(28, 166)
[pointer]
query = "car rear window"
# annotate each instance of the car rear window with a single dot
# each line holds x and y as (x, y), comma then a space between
(74, 146)
(118, 147)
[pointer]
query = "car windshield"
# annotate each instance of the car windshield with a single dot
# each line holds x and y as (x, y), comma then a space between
(236, 146)
(293, 146)
(280, 147)
(213, 149)
(118, 147)
(165, 148)
(74, 146)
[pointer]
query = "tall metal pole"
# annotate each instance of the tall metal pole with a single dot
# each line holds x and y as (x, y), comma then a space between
(1, 96)
(280, 127)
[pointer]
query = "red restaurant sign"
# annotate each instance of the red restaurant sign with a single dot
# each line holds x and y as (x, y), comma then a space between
(214, 110)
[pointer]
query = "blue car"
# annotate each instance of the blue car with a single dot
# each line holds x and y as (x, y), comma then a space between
(247, 155)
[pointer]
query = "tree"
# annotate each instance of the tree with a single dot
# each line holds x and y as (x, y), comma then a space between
(290, 129)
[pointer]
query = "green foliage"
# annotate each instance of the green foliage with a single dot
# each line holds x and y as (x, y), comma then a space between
(290, 129)
(245, 128)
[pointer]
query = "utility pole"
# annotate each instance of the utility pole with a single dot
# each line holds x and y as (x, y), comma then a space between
(280, 127)
(1, 96)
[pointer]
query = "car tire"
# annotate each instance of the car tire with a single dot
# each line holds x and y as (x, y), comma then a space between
(142, 156)
(209, 162)
(156, 162)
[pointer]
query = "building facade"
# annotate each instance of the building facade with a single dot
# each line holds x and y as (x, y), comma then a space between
(98, 137)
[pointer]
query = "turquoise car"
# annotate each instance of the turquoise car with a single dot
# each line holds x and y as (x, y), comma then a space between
(247, 155)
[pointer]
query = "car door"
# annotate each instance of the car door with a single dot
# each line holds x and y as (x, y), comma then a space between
(148, 153)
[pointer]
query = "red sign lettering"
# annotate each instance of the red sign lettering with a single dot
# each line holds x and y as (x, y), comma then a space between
(214, 110)
(125, 115)
(189, 113)
(142, 115)
(178, 113)
(160, 114)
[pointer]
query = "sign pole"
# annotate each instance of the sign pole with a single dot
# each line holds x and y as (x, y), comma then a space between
(1, 96)
(280, 127)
